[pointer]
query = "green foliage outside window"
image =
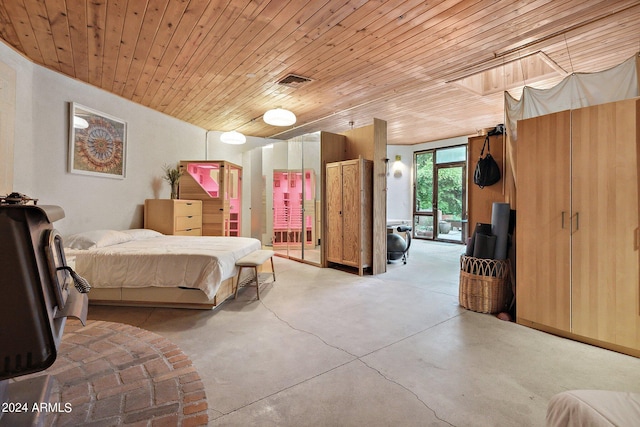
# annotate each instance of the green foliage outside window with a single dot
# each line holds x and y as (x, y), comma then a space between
(424, 182)
(450, 191)
(449, 187)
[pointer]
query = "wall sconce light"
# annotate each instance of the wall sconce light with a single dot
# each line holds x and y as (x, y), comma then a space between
(397, 167)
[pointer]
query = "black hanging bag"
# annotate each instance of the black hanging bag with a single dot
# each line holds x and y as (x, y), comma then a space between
(487, 170)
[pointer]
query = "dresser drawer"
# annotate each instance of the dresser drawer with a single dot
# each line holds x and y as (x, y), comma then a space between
(191, 208)
(187, 222)
(189, 232)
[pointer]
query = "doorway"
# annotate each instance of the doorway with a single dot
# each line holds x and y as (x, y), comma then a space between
(440, 194)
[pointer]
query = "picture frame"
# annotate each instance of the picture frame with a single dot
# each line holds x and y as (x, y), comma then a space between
(97, 143)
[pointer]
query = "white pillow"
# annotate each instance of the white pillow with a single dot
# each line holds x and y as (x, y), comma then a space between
(96, 239)
(141, 233)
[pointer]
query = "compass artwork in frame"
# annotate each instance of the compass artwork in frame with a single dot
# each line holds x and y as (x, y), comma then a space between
(97, 143)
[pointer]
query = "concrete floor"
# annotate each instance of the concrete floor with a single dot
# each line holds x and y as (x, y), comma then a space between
(329, 348)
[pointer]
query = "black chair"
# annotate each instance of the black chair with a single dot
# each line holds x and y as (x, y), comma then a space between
(397, 247)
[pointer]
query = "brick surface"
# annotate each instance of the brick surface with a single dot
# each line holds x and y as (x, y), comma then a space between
(194, 408)
(116, 374)
(166, 391)
(80, 353)
(76, 395)
(153, 412)
(195, 396)
(132, 374)
(107, 408)
(171, 420)
(182, 364)
(123, 388)
(157, 367)
(143, 423)
(78, 416)
(72, 374)
(139, 398)
(96, 368)
(169, 354)
(105, 382)
(193, 386)
(104, 347)
(178, 373)
(189, 378)
(198, 420)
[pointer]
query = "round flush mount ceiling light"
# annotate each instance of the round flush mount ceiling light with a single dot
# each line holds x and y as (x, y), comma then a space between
(279, 117)
(233, 138)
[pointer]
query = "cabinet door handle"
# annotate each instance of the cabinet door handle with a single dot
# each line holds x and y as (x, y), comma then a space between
(563, 214)
(577, 217)
(636, 244)
(189, 204)
(189, 216)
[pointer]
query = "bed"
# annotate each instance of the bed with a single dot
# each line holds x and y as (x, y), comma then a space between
(144, 267)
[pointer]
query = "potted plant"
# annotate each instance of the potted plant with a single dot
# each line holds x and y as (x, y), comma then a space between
(172, 176)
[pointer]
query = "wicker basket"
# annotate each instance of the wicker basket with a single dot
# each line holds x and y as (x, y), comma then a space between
(484, 284)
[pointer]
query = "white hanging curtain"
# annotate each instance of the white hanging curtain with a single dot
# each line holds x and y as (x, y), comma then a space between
(575, 91)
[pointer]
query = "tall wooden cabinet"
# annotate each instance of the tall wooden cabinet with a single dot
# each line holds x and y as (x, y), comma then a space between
(218, 184)
(349, 213)
(578, 265)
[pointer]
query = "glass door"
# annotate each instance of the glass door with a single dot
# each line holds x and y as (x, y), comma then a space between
(311, 167)
(423, 194)
(440, 194)
(296, 201)
(450, 201)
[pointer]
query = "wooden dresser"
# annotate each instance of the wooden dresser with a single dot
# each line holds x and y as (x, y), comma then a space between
(174, 216)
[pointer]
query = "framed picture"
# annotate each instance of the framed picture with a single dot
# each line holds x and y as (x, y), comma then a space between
(97, 143)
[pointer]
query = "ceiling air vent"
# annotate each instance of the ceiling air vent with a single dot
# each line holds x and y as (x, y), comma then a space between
(295, 81)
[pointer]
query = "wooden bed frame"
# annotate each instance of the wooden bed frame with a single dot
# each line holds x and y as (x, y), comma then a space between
(169, 297)
(162, 297)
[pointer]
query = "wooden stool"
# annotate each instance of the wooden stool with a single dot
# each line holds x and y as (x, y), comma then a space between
(254, 260)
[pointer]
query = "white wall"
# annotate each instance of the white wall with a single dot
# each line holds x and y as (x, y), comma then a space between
(400, 176)
(24, 113)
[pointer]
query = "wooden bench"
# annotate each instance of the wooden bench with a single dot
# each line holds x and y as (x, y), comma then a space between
(254, 260)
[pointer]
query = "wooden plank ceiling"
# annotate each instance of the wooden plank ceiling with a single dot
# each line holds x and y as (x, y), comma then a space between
(216, 63)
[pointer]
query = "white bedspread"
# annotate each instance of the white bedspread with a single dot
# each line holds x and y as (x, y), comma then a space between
(164, 261)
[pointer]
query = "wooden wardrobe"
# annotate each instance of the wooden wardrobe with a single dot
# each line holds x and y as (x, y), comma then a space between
(350, 213)
(577, 225)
